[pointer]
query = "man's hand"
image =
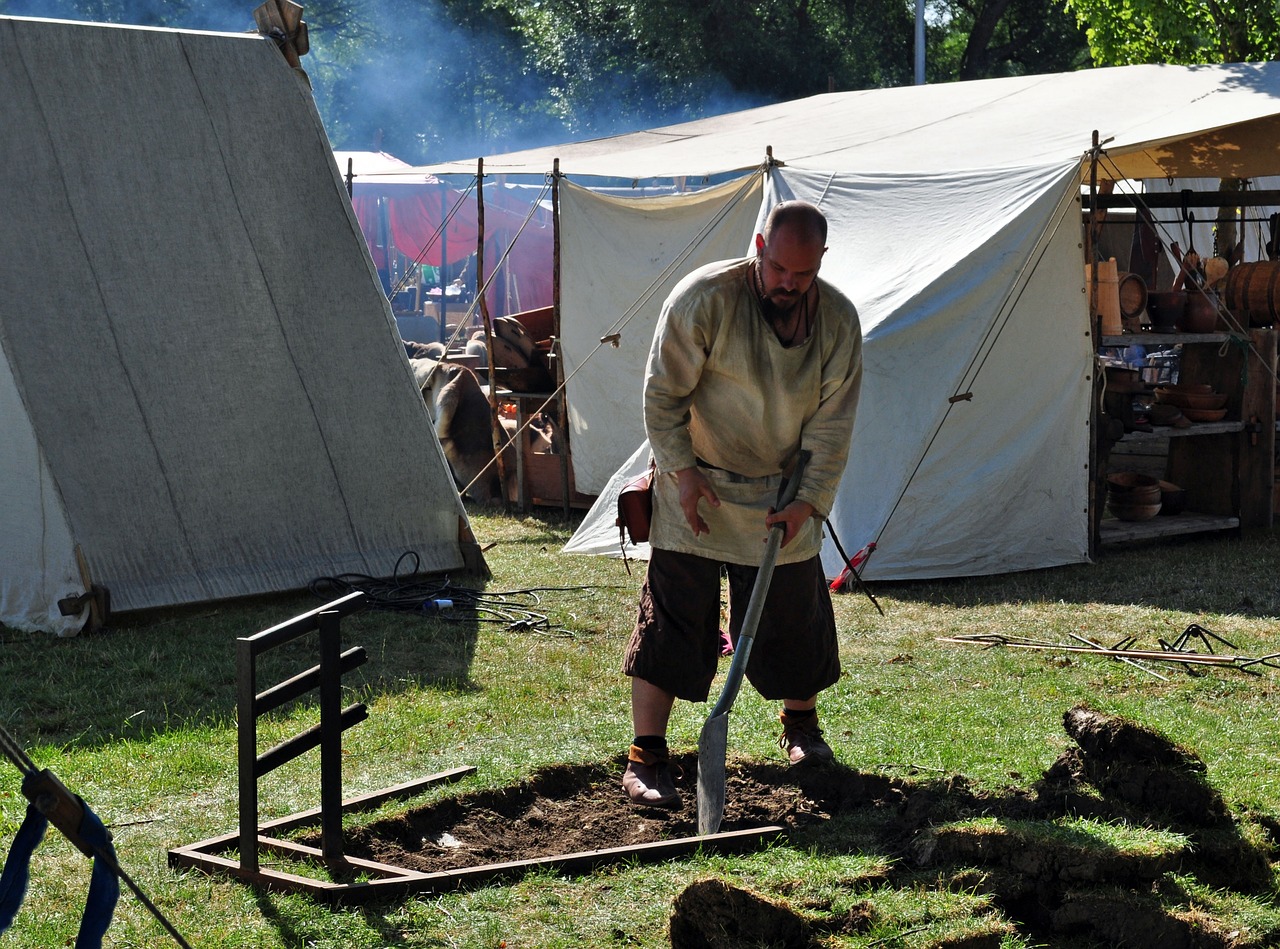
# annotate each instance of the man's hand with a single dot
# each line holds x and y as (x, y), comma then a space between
(793, 516)
(694, 487)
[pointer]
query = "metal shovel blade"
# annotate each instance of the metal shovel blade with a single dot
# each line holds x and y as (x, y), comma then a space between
(714, 739)
(712, 748)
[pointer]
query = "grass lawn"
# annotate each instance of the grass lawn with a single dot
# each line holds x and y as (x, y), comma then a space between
(140, 721)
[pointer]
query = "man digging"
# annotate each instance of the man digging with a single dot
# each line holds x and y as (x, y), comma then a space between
(752, 361)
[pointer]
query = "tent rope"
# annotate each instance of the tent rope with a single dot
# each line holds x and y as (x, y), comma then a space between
(614, 334)
(434, 239)
(461, 325)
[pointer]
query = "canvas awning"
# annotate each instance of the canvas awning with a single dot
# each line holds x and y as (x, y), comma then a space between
(1162, 121)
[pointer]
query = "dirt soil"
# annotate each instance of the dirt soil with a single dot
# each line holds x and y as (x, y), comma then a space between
(1118, 771)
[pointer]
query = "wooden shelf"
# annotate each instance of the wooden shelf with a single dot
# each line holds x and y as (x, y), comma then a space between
(1115, 531)
(1167, 339)
(1195, 428)
(1228, 476)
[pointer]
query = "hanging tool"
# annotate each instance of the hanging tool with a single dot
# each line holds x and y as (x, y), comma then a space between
(713, 741)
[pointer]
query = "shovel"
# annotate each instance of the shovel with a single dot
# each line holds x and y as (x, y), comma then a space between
(715, 733)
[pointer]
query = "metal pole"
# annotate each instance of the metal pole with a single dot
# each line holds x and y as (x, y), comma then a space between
(919, 42)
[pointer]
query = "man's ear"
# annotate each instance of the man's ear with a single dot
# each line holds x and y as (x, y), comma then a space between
(759, 243)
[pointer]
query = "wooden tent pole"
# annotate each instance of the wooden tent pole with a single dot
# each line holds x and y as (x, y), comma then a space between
(499, 434)
(557, 342)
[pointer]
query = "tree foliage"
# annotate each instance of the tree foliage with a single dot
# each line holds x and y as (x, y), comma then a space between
(1124, 32)
(440, 79)
(983, 39)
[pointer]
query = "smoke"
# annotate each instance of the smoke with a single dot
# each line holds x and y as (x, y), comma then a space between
(406, 77)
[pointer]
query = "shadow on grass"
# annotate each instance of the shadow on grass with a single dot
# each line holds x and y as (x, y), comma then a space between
(1193, 574)
(159, 670)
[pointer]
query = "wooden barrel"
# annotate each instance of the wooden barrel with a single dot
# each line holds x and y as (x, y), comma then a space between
(1252, 291)
(1133, 294)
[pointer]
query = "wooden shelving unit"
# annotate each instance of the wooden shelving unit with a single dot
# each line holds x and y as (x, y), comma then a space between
(1227, 468)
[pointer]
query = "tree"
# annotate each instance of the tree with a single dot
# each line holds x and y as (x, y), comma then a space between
(1124, 32)
(985, 39)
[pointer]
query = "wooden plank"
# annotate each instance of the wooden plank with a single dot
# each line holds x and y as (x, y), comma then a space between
(410, 882)
(728, 841)
(1117, 531)
(289, 848)
(367, 802)
(1257, 447)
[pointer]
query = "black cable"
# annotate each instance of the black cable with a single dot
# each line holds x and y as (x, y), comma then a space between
(444, 599)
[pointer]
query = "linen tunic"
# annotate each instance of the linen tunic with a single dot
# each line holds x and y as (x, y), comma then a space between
(721, 388)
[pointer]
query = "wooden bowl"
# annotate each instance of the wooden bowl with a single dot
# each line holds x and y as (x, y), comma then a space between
(1191, 400)
(1166, 413)
(1205, 415)
(1134, 512)
(1129, 488)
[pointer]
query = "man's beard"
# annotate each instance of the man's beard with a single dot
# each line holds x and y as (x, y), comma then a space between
(779, 307)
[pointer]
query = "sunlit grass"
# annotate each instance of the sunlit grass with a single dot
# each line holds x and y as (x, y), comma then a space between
(141, 721)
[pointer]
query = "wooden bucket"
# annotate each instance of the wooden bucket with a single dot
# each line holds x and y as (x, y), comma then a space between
(1107, 306)
(1252, 291)
(1133, 295)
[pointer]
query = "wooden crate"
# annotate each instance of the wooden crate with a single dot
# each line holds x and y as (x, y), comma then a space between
(543, 484)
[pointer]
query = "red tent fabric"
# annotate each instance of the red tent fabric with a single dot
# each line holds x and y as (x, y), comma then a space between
(416, 203)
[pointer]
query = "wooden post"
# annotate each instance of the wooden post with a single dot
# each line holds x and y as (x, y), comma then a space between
(1097, 458)
(330, 736)
(499, 433)
(247, 752)
(557, 341)
(1258, 446)
(444, 262)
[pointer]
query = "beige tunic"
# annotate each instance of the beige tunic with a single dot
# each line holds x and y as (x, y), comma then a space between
(720, 387)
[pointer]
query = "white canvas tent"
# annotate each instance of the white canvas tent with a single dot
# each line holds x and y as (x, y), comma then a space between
(956, 229)
(201, 389)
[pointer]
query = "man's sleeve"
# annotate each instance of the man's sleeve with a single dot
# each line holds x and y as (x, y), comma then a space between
(676, 360)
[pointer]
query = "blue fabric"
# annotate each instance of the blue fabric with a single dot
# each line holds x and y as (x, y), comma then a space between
(13, 881)
(104, 887)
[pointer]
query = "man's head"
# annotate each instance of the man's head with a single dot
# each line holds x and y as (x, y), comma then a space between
(789, 252)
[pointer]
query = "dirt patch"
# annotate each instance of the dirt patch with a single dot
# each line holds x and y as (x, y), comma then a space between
(569, 809)
(1048, 889)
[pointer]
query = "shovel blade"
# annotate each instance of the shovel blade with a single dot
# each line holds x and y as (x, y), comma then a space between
(712, 745)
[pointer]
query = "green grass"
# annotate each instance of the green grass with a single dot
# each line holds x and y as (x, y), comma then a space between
(140, 720)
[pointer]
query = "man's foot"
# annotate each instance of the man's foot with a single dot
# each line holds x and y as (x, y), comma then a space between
(802, 740)
(648, 779)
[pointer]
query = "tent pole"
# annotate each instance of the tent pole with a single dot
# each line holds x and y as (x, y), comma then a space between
(443, 313)
(1089, 251)
(499, 434)
(1096, 458)
(557, 342)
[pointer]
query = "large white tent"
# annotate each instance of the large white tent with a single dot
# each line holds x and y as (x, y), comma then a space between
(202, 394)
(955, 226)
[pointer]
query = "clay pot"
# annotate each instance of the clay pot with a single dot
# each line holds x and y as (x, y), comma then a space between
(1201, 312)
(1166, 308)
(1130, 489)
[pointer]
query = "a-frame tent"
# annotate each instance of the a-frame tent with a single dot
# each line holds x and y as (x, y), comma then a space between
(202, 394)
(956, 227)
